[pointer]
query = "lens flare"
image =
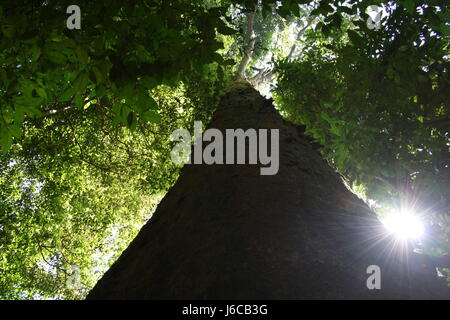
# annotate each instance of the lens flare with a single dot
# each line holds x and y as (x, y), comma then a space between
(405, 225)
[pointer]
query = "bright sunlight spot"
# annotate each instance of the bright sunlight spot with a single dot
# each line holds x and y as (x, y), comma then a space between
(405, 225)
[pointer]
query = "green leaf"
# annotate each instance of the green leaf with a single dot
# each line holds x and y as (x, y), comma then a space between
(151, 116)
(229, 62)
(225, 30)
(35, 53)
(220, 74)
(8, 30)
(79, 86)
(87, 105)
(41, 92)
(56, 57)
(82, 54)
(131, 121)
(67, 95)
(326, 30)
(78, 101)
(337, 20)
(355, 38)
(144, 102)
(217, 57)
(149, 82)
(284, 11)
(295, 9)
(6, 142)
(410, 5)
(3, 77)
(347, 10)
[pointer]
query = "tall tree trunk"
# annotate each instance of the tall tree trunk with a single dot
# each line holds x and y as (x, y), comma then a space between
(227, 232)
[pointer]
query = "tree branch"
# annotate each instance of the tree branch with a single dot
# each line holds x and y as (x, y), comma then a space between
(437, 122)
(53, 111)
(266, 75)
(249, 44)
(263, 76)
(309, 20)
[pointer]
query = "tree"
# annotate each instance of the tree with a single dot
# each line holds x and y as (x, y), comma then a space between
(251, 235)
(221, 231)
(225, 232)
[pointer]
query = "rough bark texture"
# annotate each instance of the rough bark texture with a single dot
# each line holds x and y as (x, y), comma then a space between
(227, 232)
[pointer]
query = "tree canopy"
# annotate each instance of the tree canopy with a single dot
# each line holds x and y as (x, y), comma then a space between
(86, 115)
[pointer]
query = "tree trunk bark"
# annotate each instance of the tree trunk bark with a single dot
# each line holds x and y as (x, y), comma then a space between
(227, 232)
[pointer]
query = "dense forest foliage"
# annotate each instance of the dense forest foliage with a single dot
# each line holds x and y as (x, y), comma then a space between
(86, 114)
